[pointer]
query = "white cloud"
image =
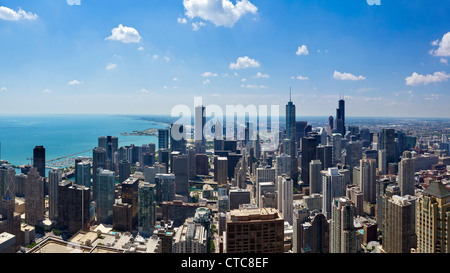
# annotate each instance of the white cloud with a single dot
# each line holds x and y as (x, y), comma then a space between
(417, 79)
(207, 81)
(300, 77)
(244, 62)
(444, 61)
(347, 76)
(175, 79)
(125, 35)
(444, 46)
(243, 80)
(209, 74)
(167, 59)
(141, 48)
(219, 12)
(155, 57)
(302, 50)
(46, 91)
(260, 75)
(3, 89)
(75, 82)
(432, 97)
(196, 25)
(73, 2)
(253, 86)
(111, 66)
(182, 20)
(12, 15)
(143, 90)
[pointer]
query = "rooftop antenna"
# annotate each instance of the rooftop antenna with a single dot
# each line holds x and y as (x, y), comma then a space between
(290, 94)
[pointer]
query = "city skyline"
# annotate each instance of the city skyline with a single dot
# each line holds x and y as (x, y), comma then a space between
(78, 57)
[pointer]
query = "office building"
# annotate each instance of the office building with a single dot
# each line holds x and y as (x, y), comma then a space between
(432, 219)
(387, 142)
(342, 230)
(285, 198)
(254, 231)
(178, 138)
(163, 138)
(324, 153)
(83, 174)
(283, 165)
(99, 161)
(308, 150)
(122, 216)
(354, 194)
(74, 207)
(199, 125)
(315, 176)
(34, 196)
(368, 179)
(39, 160)
(193, 236)
(105, 196)
(340, 118)
(124, 170)
(54, 178)
(406, 177)
(202, 164)
(333, 186)
(180, 170)
(130, 189)
(147, 209)
(221, 168)
(165, 187)
(238, 197)
(191, 153)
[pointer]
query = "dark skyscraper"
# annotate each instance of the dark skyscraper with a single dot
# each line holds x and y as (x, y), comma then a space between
(308, 149)
(387, 142)
(340, 118)
(178, 138)
(200, 121)
(39, 160)
(98, 161)
(163, 138)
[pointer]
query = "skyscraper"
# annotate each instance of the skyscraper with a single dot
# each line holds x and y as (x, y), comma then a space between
(368, 179)
(387, 142)
(73, 207)
(199, 124)
(406, 180)
(105, 196)
(342, 230)
(163, 138)
(147, 209)
(333, 186)
(315, 176)
(39, 160)
(340, 118)
(54, 178)
(324, 153)
(83, 174)
(180, 170)
(283, 165)
(165, 187)
(124, 170)
(34, 196)
(99, 160)
(285, 197)
(308, 150)
(432, 218)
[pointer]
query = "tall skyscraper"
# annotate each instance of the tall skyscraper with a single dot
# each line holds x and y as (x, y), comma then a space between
(39, 160)
(315, 176)
(342, 230)
(180, 170)
(165, 187)
(324, 153)
(105, 196)
(199, 124)
(192, 172)
(308, 150)
(398, 225)
(34, 196)
(147, 209)
(406, 180)
(124, 170)
(283, 165)
(163, 138)
(83, 174)
(333, 186)
(387, 142)
(336, 140)
(285, 197)
(178, 138)
(54, 178)
(432, 219)
(222, 170)
(368, 179)
(340, 118)
(99, 160)
(73, 207)
(110, 144)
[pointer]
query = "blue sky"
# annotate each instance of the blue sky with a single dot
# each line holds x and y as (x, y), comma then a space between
(146, 56)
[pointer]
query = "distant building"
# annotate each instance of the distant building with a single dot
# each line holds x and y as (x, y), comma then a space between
(39, 160)
(406, 179)
(83, 174)
(315, 176)
(180, 170)
(163, 138)
(124, 170)
(34, 195)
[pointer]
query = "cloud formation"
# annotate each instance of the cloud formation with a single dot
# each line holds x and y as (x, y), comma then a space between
(244, 62)
(73, 2)
(111, 66)
(219, 12)
(417, 79)
(8, 14)
(125, 35)
(75, 82)
(302, 50)
(443, 49)
(347, 76)
(209, 74)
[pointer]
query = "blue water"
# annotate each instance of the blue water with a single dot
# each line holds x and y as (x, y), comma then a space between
(63, 135)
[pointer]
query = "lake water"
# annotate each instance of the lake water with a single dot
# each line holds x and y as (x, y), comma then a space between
(63, 135)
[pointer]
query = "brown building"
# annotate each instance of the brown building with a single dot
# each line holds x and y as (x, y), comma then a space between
(178, 211)
(123, 217)
(201, 164)
(254, 231)
(73, 207)
(130, 189)
(165, 233)
(10, 221)
(34, 196)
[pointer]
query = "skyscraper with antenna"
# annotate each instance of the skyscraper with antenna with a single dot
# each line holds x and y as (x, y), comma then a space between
(340, 117)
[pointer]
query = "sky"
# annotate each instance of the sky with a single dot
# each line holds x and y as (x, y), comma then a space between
(147, 56)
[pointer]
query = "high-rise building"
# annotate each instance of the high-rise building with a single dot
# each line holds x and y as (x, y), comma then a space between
(340, 118)
(355, 195)
(83, 174)
(238, 197)
(308, 150)
(315, 176)
(73, 207)
(382, 165)
(283, 165)
(333, 186)
(336, 140)
(124, 170)
(34, 196)
(432, 219)
(368, 179)
(163, 138)
(105, 196)
(180, 170)
(99, 160)
(178, 138)
(130, 196)
(285, 197)
(342, 230)
(300, 130)
(194, 235)
(191, 163)
(202, 164)
(387, 142)
(122, 216)
(254, 231)
(222, 170)
(324, 153)
(199, 124)
(39, 160)
(353, 154)
(311, 234)
(110, 144)
(54, 178)
(165, 187)
(147, 209)
(406, 179)
(398, 225)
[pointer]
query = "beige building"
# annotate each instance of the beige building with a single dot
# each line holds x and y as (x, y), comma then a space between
(433, 219)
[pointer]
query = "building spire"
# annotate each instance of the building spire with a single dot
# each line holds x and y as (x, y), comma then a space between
(290, 94)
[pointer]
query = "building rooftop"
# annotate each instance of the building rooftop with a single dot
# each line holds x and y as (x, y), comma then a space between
(4, 237)
(437, 189)
(252, 214)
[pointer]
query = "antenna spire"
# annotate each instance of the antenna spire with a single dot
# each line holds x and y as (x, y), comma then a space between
(290, 94)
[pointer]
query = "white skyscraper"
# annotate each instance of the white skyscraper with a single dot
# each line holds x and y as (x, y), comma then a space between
(54, 177)
(285, 198)
(333, 185)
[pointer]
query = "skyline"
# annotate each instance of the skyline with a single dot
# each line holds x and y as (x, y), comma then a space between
(389, 60)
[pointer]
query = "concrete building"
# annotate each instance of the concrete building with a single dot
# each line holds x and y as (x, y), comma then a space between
(355, 194)
(83, 174)
(54, 178)
(238, 197)
(7, 243)
(406, 178)
(147, 208)
(165, 187)
(105, 196)
(285, 197)
(180, 170)
(342, 230)
(315, 176)
(193, 236)
(34, 196)
(73, 207)
(368, 178)
(333, 185)
(222, 170)
(254, 231)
